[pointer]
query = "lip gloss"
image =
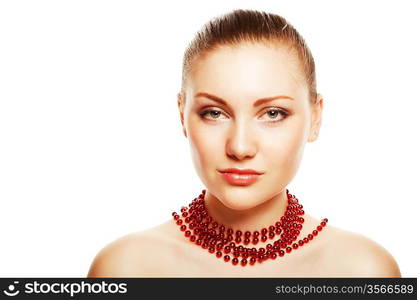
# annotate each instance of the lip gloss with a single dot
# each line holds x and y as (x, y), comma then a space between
(240, 179)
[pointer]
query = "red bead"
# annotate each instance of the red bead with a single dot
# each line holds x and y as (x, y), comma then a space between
(323, 224)
(260, 257)
(202, 229)
(325, 220)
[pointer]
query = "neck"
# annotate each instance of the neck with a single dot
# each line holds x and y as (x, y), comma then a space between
(255, 218)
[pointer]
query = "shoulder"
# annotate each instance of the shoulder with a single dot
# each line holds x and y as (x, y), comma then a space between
(355, 255)
(123, 257)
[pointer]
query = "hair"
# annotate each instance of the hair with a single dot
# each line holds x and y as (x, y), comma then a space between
(254, 26)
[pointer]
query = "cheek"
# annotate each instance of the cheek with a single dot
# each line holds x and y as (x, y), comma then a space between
(205, 143)
(283, 148)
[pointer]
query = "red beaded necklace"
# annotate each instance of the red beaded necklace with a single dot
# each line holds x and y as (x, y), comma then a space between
(218, 239)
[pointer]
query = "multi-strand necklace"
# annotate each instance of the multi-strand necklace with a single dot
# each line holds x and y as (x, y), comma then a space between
(226, 243)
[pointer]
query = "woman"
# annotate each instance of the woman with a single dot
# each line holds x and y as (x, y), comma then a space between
(248, 105)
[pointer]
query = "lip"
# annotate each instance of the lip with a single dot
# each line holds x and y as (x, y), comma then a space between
(241, 177)
(240, 171)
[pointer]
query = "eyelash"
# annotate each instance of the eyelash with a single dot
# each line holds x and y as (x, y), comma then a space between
(283, 113)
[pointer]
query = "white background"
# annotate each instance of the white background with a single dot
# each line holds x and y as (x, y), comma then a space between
(91, 146)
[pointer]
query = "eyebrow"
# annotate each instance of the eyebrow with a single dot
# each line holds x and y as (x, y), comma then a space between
(257, 102)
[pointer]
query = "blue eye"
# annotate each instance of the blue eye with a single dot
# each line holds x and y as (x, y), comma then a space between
(274, 113)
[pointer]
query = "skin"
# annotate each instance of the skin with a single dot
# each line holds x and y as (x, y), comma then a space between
(269, 138)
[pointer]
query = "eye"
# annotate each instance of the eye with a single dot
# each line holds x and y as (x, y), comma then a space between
(213, 113)
(275, 112)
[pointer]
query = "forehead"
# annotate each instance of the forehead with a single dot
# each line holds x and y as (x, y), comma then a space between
(253, 70)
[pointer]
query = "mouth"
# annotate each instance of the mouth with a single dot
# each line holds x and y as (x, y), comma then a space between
(241, 171)
(239, 176)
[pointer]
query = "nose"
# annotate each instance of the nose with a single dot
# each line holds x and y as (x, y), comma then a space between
(240, 143)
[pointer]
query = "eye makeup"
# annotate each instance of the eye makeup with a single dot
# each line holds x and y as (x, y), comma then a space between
(214, 113)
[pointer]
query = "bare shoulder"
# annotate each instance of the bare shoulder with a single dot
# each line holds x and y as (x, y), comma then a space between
(127, 256)
(355, 255)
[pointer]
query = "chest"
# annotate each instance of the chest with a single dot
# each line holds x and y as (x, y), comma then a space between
(195, 262)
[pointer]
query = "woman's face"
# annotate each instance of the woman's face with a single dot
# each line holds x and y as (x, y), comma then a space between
(239, 130)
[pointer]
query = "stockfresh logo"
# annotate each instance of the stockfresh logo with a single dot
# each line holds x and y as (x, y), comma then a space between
(12, 289)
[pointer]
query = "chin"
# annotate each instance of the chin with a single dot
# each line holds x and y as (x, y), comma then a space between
(240, 198)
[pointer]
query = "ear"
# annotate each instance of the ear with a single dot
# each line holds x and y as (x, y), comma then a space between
(181, 102)
(317, 109)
